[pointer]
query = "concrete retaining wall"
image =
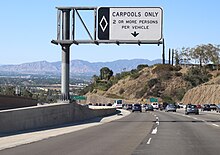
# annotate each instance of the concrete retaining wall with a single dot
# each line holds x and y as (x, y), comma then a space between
(21, 119)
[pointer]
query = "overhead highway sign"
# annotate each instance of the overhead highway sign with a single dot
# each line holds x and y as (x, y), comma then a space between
(121, 23)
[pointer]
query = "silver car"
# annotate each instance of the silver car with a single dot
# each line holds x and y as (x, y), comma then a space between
(190, 108)
(170, 107)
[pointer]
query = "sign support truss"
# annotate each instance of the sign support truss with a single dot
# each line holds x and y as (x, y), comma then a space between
(73, 11)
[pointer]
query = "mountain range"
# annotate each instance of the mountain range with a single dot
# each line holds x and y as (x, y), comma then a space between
(77, 67)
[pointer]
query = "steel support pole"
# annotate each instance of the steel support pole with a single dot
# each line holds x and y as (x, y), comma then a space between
(65, 56)
(163, 52)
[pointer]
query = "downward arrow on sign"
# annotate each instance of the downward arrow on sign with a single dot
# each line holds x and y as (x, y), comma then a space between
(135, 34)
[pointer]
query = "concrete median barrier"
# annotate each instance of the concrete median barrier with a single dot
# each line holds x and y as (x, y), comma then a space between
(43, 116)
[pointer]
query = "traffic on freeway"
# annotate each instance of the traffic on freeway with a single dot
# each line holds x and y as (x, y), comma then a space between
(145, 132)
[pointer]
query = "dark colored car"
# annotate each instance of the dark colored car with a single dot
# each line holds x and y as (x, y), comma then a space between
(170, 107)
(136, 107)
(164, 105)
(213, 106)
(206, 107)
(149, 107)
(190, 108)
(218, 108)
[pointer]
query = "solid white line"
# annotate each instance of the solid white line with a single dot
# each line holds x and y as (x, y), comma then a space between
(149, 140)
(154, 131)
(195, 118)
(215, 125)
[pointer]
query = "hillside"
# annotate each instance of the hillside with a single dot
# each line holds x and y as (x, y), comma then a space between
(208, 92)
(165, 82)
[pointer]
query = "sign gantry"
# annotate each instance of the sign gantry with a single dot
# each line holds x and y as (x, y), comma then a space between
(112, 25)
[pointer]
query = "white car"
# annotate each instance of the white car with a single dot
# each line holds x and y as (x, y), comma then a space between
(155, 105)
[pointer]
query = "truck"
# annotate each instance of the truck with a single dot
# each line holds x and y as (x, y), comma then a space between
(118, 104)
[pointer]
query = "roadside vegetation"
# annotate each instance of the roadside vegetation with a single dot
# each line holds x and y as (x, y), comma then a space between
(192, 67)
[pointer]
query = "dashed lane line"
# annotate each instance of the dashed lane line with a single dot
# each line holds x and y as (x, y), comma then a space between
(154, 131)
(216, 125)
(211, 124)
(149, 140)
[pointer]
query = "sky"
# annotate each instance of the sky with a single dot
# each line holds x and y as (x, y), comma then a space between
(27, 28)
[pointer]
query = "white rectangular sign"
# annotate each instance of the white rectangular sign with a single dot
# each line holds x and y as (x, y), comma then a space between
(144, 23)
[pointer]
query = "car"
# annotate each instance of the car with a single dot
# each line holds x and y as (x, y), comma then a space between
(149, 107)
(170, 107)
(213, 106)
(206, 107)
(181, 105)
(218, 108)
(199, 106)
(155, 105)
(136, 107)
(109, 104)
(191, 108)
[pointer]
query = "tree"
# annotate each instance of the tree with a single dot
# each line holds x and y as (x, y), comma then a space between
(200, 53)
(177, 58)
(9, 90)
(141, 66)
(27, 93)
(105, 73)
(185, 55)
(213, 54)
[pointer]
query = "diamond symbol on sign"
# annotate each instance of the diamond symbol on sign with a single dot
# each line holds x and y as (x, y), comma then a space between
(103, 23)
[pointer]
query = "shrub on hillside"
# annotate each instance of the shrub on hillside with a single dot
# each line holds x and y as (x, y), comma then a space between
(177, 68)
(121, 91)
(135, 75)
(163, 67)
(142, 66)
(140, 94)
(196, 76)
(152, 82)
(178, 74)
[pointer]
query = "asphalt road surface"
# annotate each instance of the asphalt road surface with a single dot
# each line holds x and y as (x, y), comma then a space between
(119, 137)
(155, 133)
(180, 134)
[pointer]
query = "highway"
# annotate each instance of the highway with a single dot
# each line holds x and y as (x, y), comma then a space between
(138, 133)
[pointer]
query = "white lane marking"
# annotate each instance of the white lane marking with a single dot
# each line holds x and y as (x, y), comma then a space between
(149, 140)
(154, 131)
(212, 124)
(157, 121)
(215, 125)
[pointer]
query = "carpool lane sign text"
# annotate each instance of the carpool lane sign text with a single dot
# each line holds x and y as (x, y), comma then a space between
(144, 23)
